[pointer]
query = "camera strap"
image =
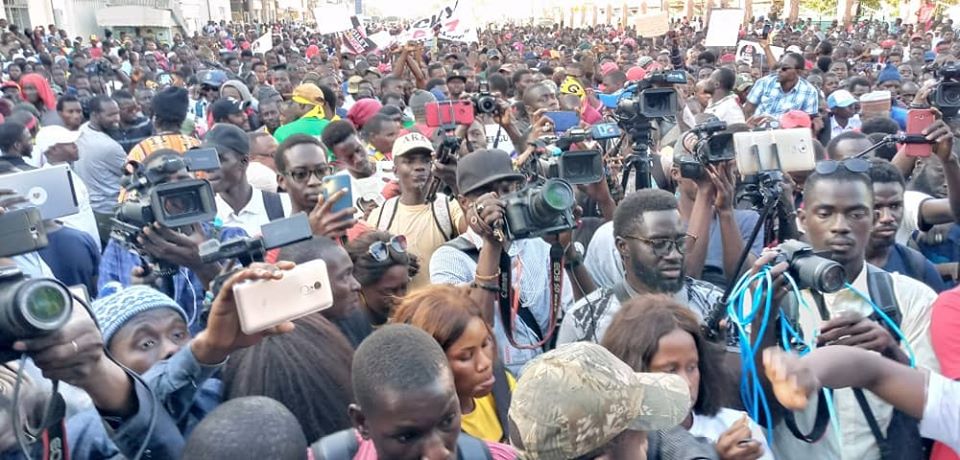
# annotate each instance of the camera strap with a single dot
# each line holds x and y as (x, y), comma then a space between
(510, 306)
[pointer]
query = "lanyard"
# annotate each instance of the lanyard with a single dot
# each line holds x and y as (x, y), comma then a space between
(510, 306)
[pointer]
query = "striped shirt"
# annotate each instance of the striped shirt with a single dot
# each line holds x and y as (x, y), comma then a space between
(768, 96)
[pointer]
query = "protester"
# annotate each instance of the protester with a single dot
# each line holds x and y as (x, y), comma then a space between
(456, 322)
(384, 268)
(654, 333)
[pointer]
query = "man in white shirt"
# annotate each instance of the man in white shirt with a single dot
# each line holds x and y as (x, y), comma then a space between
(58, 145)
(724, 104)
(238, 203)
(843, 117)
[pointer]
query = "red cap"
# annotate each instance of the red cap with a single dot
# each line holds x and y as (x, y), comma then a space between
(795, 119)
(636, 73)
(727, 58)
(607, 67)
(888, 43)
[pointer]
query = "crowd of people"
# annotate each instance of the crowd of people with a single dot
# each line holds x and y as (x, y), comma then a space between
(455, 330)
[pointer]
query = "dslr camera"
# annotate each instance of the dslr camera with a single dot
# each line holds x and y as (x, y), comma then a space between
(171, 204)
(946, 95)
(579, 167)
(483, 101)
(809, 270)
(29, 308)
(714, 145)
(539, 209)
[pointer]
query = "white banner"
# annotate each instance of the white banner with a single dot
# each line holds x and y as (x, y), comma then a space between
(724, 27)
(452, 23)
(332, 19)
(263, 44)
(748, 51)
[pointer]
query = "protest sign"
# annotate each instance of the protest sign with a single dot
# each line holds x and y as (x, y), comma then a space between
(355, 39)
(332, 19)
(724, 27)
(652, 24)
(747, 51)
(262, 44)
(451, 22)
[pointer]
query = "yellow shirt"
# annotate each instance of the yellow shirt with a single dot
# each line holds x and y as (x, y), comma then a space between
(423, 236)
(482, 423)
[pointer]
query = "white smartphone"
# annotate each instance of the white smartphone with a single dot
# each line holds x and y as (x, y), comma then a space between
(794, 149)
(303, 290)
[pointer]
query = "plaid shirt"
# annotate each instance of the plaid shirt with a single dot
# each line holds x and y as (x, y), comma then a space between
(770, 99)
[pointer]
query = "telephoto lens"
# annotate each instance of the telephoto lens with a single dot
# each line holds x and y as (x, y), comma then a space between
(809, 270)
(30, 308)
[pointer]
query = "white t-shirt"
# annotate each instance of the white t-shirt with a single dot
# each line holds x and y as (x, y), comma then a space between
(252, 216)
(711, 428)
(727, 110)
(941, 413)
(911, 215)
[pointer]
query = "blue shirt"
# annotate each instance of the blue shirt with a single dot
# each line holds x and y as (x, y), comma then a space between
(768, 96)
(73, 257)
(899, 262)
(117, 263)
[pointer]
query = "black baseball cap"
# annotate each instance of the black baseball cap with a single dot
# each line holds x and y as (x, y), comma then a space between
(225, 135)
(227, 106)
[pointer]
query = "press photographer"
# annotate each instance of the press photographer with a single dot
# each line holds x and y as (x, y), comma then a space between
(884, 312)
(507, 245)
(166, 256)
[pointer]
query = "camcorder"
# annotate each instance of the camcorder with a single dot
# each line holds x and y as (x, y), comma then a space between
(483, 100)
(649, 98)
(539, 209)
(714, 145)
(946, 95)
(171, 204)
(29, 307)
(579, 167)
(809, 270)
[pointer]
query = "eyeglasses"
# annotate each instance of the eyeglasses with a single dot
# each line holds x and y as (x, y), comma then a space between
(303, 175)
(664, 246)
(380, 251)
(854, 165)
(786, 68)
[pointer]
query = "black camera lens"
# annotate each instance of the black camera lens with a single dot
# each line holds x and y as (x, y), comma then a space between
(555, 197)
(819, 273)
(950, 94)
(34, 307)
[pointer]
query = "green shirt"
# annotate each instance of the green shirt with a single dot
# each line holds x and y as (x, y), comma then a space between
(305, 125)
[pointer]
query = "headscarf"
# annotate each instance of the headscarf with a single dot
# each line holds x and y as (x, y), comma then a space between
(362, 111)
(245, 95)
(44, 91)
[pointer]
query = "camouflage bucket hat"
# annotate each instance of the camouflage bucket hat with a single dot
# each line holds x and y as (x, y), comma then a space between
(575, 399)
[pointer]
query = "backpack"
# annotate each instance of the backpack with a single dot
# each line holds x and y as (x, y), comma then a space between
(273, 205)
(902, 440)
(343, 445)
(440, 208)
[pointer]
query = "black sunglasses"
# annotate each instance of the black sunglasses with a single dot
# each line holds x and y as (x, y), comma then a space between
(380, 251)
(854, 165)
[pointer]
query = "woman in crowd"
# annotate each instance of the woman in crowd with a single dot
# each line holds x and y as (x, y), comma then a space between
(307, 370)
(448, 314)
(654, 333)
(383, 267)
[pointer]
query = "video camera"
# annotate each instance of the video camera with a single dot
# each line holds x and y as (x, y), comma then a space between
(539, 209)
(29, 308)
(644, 99)
(483, 100)
(171, 204)
(580, 166)
(946, 95)
(713, 146)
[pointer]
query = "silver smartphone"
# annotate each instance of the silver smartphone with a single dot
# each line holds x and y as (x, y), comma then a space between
(50, 189)
(266, 303)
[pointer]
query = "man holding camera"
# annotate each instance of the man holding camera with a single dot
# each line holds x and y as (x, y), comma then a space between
(485, 178)
(652, 242)
(878, 311)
